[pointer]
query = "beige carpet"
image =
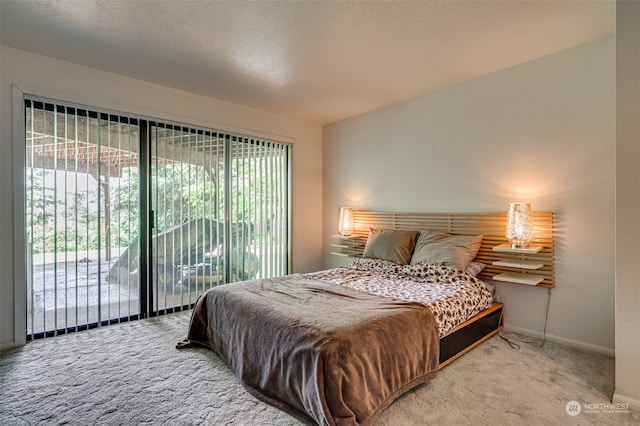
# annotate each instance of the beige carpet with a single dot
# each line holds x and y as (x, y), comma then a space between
(131, 374)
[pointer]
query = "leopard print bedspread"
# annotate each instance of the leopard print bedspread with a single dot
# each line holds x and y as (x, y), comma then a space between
(452, 295)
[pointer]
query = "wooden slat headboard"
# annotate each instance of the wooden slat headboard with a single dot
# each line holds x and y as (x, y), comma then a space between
(491, 225)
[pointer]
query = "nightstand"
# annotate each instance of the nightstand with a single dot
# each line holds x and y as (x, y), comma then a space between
(522, 277)
(352, 246)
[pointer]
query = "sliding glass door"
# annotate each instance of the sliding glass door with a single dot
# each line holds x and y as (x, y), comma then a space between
(259, 208)
(187, 198)
(220, 206)
(128, 218)
(81, 214)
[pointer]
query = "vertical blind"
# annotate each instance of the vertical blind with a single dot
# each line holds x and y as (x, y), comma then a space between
(259, 208)
(218, 212)
(74, 158)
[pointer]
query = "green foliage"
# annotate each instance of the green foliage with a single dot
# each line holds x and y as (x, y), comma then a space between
(76, 219)
(56, 222)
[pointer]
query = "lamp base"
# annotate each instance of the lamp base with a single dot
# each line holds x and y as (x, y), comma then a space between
(519, 246)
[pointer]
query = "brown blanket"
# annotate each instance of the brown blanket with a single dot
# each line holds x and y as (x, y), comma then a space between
(326, 354)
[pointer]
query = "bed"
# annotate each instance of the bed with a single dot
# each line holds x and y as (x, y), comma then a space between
(336, 347)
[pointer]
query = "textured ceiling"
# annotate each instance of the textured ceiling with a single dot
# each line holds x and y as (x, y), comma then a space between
(320, 61)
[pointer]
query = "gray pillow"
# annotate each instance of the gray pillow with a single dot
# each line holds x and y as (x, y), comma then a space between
(394, 246)
(445, 249)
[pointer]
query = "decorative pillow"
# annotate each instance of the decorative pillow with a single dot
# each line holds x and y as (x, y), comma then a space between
(445, 249)
(394, 246)
(474, 268)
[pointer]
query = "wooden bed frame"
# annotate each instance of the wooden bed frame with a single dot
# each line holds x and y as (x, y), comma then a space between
(470, 334)
(492, 226)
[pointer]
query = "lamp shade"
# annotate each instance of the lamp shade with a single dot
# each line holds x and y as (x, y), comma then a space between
(345, 221)
(519, 225)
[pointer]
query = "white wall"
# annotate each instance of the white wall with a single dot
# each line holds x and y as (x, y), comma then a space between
(628, 205)
(44, 76)
(542, 131)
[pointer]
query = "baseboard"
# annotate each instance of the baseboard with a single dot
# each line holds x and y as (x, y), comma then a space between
(563, 341)
(634, 404)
